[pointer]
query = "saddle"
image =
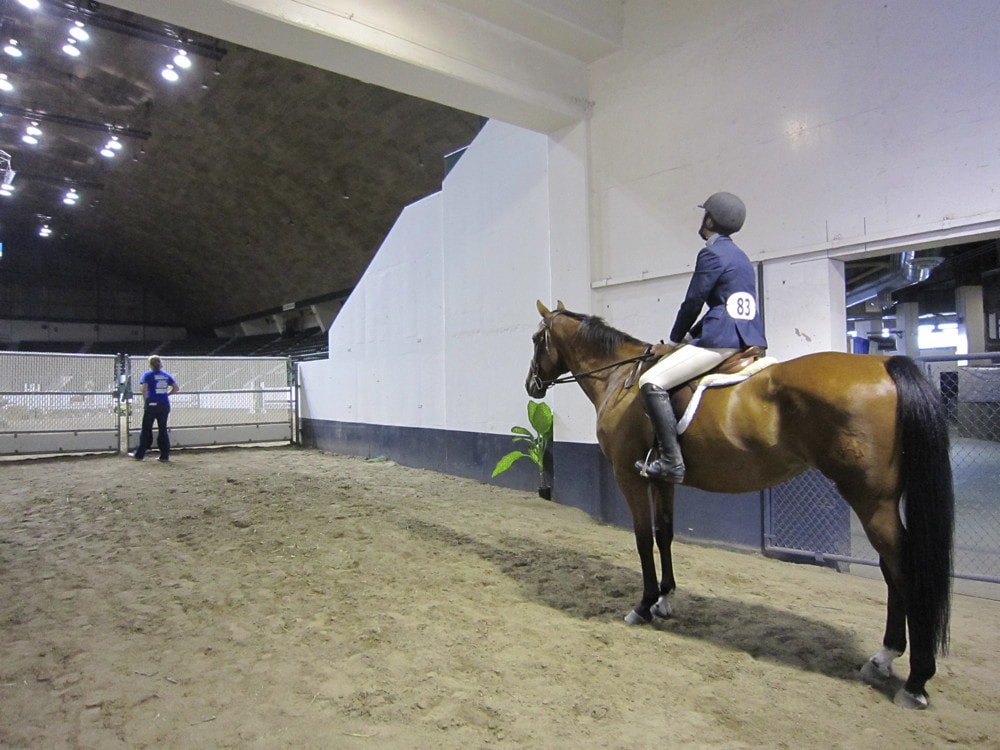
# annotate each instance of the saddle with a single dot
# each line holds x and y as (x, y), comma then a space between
(681, 395)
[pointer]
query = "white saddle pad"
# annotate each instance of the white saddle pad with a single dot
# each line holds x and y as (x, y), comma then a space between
(716, 381)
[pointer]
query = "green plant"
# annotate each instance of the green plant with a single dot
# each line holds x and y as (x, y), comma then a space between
(538, 442)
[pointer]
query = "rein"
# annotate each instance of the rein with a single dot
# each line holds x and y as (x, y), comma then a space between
(575, 378)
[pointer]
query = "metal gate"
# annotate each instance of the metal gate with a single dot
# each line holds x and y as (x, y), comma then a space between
(57, 403)
(222, 401)
(806, 517)
(84, 403)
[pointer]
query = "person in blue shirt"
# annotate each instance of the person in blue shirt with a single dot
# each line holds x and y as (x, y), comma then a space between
(157, 387)
(724, 280)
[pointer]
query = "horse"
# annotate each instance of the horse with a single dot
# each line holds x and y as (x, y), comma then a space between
(872, 424)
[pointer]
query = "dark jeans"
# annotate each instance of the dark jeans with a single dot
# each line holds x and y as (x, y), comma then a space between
(154, 413)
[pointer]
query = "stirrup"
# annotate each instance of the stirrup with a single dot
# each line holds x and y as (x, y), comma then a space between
(643, 465)
(656, 470)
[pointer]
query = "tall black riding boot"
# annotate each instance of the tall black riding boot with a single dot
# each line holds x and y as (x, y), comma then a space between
(669, 467)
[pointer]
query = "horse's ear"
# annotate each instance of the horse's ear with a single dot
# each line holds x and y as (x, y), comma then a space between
(560, 305)
(542, 309)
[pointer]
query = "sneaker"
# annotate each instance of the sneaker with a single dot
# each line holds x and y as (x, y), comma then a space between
(164, 459)
(135, 455)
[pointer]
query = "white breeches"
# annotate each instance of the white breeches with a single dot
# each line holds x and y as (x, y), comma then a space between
(682, 364)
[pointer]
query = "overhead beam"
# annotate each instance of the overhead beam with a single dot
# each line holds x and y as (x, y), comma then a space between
(439, 50)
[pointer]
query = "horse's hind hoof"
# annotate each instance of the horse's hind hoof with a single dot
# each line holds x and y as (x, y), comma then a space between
(634, 618)
(906, 699)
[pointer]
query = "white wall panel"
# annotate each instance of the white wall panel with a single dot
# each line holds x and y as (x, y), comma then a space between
(385, 363)
(838, 123)
(496, 249)
(437, 333)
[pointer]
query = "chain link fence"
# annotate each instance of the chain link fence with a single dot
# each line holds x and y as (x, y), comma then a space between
(222, 401)
(806, 517)
(55, 403)
(84, 403)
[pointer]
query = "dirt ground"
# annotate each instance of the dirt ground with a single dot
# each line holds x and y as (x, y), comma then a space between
(284, 598)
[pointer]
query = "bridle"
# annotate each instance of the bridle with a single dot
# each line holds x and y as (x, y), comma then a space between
(544, 385)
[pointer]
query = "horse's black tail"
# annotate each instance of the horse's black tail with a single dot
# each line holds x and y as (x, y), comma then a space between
(929, 500)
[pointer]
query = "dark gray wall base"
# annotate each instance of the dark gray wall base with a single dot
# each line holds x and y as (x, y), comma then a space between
(581, 477)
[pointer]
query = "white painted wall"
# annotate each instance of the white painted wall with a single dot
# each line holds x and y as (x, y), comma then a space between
(438, 331)
(849, 128)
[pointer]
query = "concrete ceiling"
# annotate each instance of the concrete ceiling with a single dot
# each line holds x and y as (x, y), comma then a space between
(251, 182)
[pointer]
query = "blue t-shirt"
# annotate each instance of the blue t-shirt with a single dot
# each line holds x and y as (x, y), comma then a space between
(157, 384)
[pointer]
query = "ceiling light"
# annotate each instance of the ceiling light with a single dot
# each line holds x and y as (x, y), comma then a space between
(6, 190)
(107, 152)
(70, 48)
(78, 32)
(71, 197)
(44, 231)
(5, 85)
(114, 144)
(31, 134)
(12, 49)
(169, 73)
(181, 60)
(32, 4)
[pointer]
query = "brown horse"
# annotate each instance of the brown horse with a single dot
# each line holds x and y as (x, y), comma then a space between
(873, 425)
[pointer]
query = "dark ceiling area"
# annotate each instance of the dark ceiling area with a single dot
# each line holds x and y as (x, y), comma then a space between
(250, 182)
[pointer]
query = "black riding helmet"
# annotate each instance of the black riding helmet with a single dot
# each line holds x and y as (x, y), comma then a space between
(727, 211)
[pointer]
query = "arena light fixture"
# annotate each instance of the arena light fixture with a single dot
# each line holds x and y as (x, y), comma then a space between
(70, 48)
(169, 73)
(45, 231)
(30, 4)
(12, 49)
(78, 31)
(181, 60)
(5, 84)
(71, 197)
(111, 148)
(31, 134)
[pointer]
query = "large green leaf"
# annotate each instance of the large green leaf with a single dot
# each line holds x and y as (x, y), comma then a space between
(507, 461)
(540, 416)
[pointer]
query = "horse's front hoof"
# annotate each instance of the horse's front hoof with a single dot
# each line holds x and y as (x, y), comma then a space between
(874, 675)
(663, 608)
(634, 618)
(906, 699)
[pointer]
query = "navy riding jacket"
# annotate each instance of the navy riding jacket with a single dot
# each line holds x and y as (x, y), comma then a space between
(723, 279)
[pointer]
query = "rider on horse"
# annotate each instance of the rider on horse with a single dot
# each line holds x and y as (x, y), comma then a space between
(723, 279)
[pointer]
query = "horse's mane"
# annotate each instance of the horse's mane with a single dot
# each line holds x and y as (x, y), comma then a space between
(596, 333)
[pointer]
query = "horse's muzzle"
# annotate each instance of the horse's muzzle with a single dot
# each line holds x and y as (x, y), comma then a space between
(534, 385)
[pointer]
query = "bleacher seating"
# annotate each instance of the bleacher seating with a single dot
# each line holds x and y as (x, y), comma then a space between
(309, 344)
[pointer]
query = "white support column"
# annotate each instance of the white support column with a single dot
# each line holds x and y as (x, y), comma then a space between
(805, 307)
(971, 320)
(908, 320)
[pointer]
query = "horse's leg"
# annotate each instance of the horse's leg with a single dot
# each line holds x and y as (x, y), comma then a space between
(663, 531)
(635, 490)
(878, 669)
(885, 531)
